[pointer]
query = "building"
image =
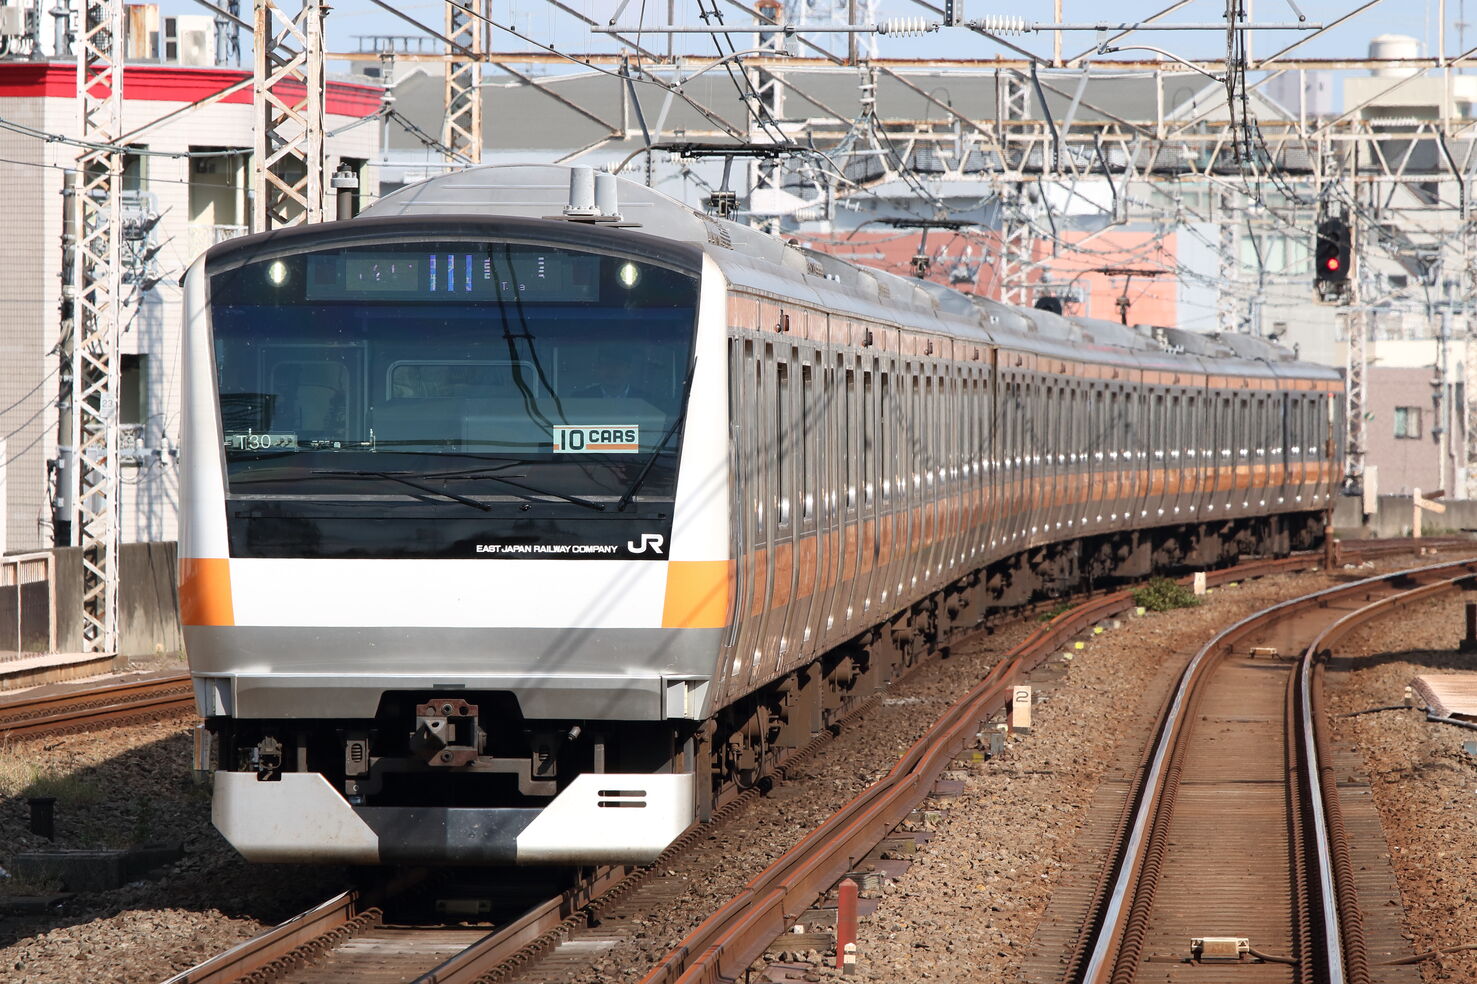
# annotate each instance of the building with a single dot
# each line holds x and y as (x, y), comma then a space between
(185, 187)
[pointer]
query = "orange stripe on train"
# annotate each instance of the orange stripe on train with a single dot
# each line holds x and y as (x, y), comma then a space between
(205, 591)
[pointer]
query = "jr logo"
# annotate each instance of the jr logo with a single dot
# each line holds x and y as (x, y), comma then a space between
(652, 540)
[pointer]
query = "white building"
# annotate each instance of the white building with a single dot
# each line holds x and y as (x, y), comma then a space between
(192, 173)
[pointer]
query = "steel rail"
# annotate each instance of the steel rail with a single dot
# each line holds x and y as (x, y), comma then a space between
(1107, 955)
(1346, 957)
(274, 949)
(79, 709)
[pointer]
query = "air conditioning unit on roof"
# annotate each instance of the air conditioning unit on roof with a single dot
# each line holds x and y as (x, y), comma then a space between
(189, 40)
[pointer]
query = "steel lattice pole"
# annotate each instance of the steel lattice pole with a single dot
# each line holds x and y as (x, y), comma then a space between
(97, 317)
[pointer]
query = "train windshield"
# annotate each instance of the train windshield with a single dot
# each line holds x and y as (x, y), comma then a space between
(482, 368)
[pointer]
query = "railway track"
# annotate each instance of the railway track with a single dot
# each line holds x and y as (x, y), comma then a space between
(103, 706)
(1237, 836)
(323, 945)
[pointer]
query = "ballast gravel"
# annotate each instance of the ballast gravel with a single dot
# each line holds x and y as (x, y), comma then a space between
(1424, 782)
(117, 788)
(968, 907)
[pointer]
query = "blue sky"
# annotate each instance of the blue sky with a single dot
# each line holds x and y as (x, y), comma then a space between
(353, 17)
(542, 21)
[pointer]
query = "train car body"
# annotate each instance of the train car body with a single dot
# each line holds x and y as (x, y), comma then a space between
(507, 535)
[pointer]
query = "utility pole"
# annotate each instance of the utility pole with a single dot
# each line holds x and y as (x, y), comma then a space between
(96, 310)
(461, 133)
(288, 161)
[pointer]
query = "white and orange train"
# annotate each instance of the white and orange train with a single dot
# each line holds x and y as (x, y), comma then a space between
(512, 531)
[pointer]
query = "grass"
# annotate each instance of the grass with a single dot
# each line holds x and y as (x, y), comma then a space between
(1052, 613)
(21, 778)
(1163, 595)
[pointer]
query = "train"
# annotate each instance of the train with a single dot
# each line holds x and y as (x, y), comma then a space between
(529, 510)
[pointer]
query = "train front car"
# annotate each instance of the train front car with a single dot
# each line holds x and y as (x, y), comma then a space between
(444, 507)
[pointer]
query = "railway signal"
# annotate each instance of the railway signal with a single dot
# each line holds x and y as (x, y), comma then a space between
(1333, 257)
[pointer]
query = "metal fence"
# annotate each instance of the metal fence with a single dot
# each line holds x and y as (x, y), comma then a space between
(28, 603)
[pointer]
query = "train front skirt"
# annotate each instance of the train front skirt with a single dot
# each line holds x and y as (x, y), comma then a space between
(626, 818)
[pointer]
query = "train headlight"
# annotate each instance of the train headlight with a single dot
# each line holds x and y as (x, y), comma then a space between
(628, 274)
(277, 273)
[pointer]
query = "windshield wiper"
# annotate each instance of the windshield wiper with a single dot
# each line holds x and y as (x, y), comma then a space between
(657, 451)
(488, 473)
(404, 481)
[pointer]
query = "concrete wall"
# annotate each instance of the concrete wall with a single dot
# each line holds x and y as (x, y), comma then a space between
(1393, 518)
(148, 599)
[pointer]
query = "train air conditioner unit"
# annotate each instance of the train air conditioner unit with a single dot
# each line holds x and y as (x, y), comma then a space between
(189, 40)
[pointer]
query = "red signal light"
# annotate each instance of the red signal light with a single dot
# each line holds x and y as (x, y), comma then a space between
(1332, 263)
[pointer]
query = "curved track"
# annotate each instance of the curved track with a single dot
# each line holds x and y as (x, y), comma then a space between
(1237, 830)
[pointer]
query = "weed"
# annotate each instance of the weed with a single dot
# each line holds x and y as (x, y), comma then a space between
(1162, 595)
(22, 778)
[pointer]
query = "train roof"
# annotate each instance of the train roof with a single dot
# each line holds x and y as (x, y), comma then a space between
(768, 264)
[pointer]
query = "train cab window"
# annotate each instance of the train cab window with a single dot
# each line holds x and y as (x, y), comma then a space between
(448, 359)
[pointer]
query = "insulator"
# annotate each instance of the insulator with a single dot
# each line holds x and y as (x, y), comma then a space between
(906, 27)
(1003, 24)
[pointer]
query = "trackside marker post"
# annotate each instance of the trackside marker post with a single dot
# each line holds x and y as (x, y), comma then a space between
(1020, 710)
(845, 922)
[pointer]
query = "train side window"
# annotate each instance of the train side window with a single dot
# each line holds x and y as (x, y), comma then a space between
(869, 431)
(917, 436)
(849, 452)
(884, 426)
(1157, 426)
(758, 427)
(808, 410)
(782, 442)
(1099, 423)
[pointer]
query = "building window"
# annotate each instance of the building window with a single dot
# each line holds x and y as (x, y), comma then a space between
(133, 385)
(1408, 422)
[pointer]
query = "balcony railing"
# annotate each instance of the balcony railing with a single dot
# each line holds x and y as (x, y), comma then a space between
(202, 237)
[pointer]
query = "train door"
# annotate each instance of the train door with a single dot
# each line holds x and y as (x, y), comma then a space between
(1158, 459)
(810, 465)
(975, 453)
(836, 454)
(751, 492)
(908, 516)
(777, 540)
(876, 446)
(1197, 451)
(850, 490)
(933, 455)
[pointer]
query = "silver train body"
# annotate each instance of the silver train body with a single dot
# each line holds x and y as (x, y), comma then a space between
(507, 537)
